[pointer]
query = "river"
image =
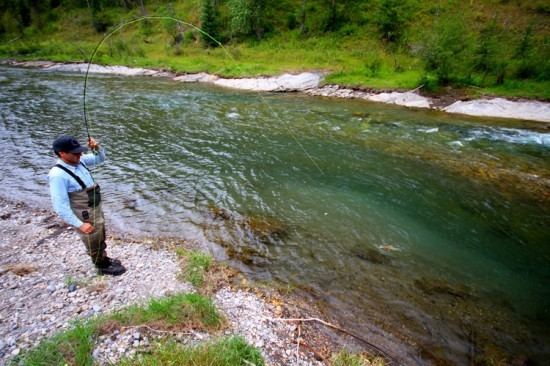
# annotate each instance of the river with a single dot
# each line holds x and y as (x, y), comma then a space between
(426, 233)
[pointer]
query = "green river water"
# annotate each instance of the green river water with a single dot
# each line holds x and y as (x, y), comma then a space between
(427, 234)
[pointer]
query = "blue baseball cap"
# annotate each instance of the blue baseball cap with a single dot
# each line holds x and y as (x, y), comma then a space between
(68, 144)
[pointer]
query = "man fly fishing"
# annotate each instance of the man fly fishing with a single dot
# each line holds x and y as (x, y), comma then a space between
(76, 198)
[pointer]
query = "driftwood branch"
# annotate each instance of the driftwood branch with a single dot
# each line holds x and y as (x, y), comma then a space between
(298, 343)
(416, 89)
(330, 325)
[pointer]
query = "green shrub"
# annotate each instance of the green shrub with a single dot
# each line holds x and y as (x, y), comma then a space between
(448, 51)
(291, 21)
(530, 60)
(197, 265)
(101, 21)
(488, 58)
(392, 17)
(8, 23)
(146, 28)
(247, 18)
(374, 66)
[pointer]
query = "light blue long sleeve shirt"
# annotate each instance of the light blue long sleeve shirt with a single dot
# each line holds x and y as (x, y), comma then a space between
(61, 183)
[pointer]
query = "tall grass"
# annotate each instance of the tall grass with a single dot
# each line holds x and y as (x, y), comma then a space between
(232, 351)
(72, 347)
(185, 310)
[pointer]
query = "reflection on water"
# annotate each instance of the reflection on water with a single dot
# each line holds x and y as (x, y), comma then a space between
(426, 233)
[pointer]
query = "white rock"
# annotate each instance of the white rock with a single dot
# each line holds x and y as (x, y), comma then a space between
(499, 107)
(408, 99)
(194, 78)
(285, 82)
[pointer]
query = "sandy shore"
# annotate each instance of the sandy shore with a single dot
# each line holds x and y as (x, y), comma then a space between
(311, 83)
(47, 281)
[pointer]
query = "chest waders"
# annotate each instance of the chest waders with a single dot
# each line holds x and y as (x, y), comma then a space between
(86, 205)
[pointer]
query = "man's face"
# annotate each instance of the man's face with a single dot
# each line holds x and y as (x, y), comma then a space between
(70, 158)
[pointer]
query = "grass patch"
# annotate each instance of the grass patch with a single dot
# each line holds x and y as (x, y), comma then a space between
(185, 311)
(72, 347)
(75, 345)
(386, 79)
(520, 89)
(232, 351)
(346, 358)
(196, 264)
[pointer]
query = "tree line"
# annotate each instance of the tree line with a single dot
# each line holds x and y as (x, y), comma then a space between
(454, 47)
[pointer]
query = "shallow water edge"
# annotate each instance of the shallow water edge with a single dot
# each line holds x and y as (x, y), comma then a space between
(311, 83)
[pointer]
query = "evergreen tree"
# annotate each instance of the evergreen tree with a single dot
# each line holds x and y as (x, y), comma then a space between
(392, 18)
(447, 52)
(209, 24)
(488, 58)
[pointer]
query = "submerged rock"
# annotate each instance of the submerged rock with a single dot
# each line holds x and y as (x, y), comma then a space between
(371, 255)
(265, 228)
(219, 212)
(245, 255)
(440, 287)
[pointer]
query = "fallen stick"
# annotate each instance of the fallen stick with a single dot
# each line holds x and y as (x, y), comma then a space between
(298, 344)
(392, 359)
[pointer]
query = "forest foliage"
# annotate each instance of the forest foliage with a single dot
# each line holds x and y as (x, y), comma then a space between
(483, 43)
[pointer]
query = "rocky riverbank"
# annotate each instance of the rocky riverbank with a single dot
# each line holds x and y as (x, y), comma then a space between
(311, 83)
(47, 281)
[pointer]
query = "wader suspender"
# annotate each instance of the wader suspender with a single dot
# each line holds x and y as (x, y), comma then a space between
(73, 175)
(94, 195)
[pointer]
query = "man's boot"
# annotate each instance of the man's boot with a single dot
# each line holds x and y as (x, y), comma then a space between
(111, 267)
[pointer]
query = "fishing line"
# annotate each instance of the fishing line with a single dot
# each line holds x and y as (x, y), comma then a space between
(227, 53)
(116, 29)
(218, 43)
(160, 17)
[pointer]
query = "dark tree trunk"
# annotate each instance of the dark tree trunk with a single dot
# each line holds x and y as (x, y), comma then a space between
(303, 17)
